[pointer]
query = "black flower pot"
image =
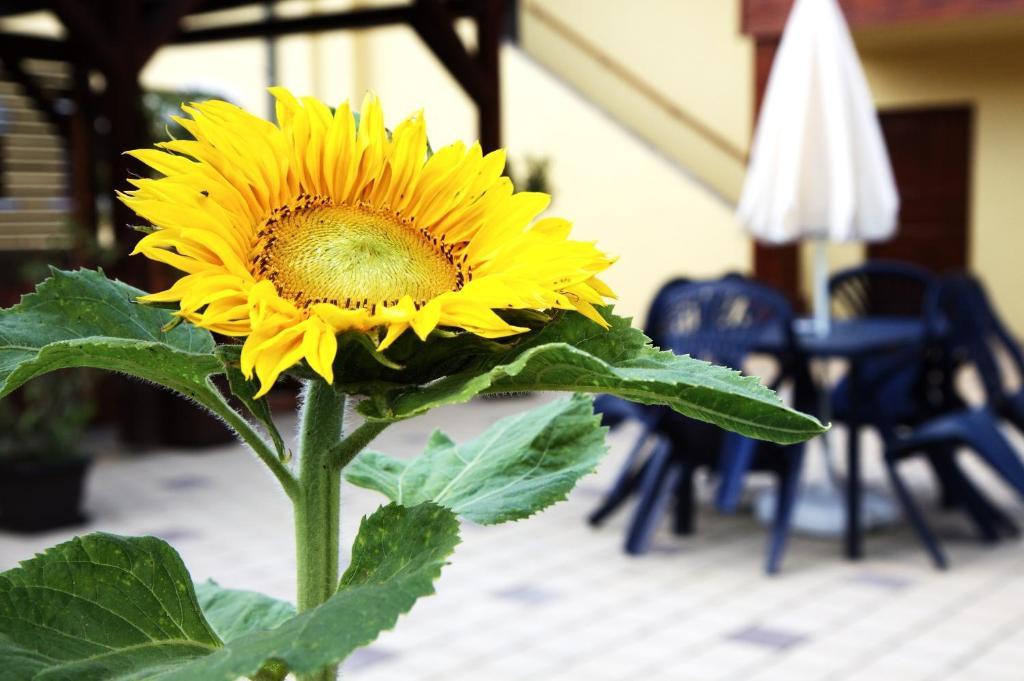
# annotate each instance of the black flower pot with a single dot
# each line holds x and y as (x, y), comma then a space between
(38, 495)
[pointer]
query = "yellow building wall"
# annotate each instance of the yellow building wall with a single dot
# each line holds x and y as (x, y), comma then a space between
(657, 65)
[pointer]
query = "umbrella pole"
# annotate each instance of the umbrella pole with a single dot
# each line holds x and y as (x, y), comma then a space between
(822, 327)
(822, 314)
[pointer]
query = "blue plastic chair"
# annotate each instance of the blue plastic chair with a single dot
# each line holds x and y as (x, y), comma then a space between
(979, 344)
(721, 321)
(901, 387)
(971, 329)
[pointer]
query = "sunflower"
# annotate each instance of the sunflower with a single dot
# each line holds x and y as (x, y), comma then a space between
(289, 234)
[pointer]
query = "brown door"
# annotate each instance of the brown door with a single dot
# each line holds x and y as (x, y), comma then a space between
(930, 151)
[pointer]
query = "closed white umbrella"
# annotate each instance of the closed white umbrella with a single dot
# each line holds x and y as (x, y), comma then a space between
(818, 167)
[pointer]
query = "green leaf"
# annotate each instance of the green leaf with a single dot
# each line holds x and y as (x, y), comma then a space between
(100, 607)
(83, 319)
(519, 466)
(233, 612)
(396, 557)
(245, 390)
(105, 608)
(575, 355)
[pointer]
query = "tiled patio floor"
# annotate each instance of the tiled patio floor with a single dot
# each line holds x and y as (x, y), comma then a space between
(552, 599)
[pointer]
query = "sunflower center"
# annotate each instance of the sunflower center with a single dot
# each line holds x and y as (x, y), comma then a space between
(352, 256)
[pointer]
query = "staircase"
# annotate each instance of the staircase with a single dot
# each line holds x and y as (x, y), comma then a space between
(34, 203)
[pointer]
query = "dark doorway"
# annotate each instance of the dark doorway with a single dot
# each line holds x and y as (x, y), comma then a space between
(930, 151)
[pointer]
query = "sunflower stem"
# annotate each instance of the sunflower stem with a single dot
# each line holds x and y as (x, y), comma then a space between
(344, 451)
(215, 402)
(318, 502)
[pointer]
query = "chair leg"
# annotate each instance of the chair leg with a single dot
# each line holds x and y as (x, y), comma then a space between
(984, 437)
(684, 519)
(737, 455)
(627, 481)
(973, 496)
(788, 488)
(939, 457)
(962, 493)
(924, 533)
(660, 478)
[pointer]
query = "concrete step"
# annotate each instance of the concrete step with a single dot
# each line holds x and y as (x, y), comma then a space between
(34, 237)
(12, 151)
(21, 115)
(48, 202)
(32, 217)
(12, 128)
(37, 165)
(14, 182)
(22, 191)
(35, 141)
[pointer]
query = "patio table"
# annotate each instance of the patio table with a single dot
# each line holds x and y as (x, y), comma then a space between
(852, 340)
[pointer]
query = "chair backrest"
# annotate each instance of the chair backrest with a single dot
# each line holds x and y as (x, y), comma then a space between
(974, 331)
(720, 321)
(881, 288)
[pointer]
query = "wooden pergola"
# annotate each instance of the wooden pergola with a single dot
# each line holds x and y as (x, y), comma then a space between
(117, 38)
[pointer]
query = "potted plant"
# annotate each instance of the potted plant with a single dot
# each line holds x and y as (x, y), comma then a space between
(42, 465)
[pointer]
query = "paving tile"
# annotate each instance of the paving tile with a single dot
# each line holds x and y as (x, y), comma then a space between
(553, 599)
(768, 637)
(366, 658)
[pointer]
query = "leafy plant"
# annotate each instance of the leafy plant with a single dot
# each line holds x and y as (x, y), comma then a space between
(535, 176)
(117, 608)
(158, 106)
(45, 421)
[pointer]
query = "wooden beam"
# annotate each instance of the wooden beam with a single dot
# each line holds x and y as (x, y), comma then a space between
(12, 7)
(92, 37)
(162, 25)
(35, 47)
(490, 22)
(435, 25)
(777, 266)
(353, 19)
(81, 167)
(767, 18)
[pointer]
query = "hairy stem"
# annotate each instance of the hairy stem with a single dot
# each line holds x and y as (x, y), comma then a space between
(343, 452)
(318, 502)
(215, 402)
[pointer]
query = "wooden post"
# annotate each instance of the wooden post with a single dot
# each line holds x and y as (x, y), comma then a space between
(479, 75)
(777, 266)
(490, 17)
(81, 174)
